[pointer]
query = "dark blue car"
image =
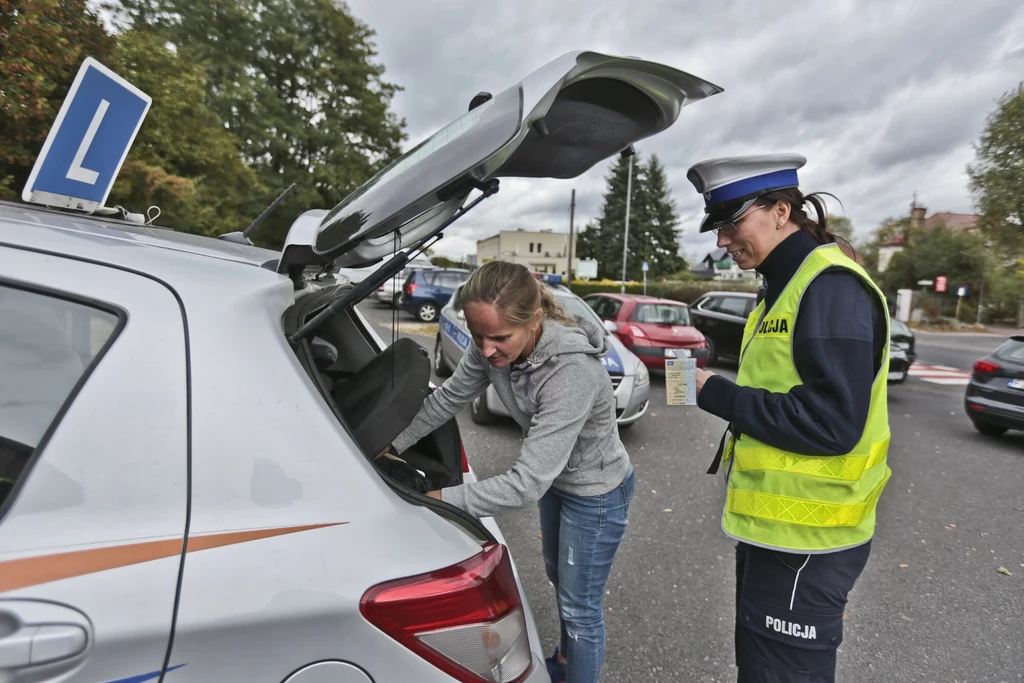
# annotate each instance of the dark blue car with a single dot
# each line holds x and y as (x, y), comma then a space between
(425, 292)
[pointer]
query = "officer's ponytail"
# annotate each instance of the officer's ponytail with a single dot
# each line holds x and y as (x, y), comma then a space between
(818, 229)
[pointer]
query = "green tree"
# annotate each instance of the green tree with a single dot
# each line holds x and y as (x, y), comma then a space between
(42, 45)
(652, 224)
(841, 227)
(183, 159)
(296, 82)
(996, 178)
(658, 221)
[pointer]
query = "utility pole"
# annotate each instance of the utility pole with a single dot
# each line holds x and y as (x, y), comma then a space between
(630, 152)
(981, 299)
(572, 219)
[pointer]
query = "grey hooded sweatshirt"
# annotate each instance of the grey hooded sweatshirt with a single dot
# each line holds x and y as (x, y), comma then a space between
(562, 398)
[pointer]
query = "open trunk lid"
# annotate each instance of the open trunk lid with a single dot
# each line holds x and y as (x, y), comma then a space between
(558, 122)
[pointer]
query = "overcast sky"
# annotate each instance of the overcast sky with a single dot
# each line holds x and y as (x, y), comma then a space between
(883, 98)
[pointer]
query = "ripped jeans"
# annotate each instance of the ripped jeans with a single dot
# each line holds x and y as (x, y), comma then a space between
(580, 535)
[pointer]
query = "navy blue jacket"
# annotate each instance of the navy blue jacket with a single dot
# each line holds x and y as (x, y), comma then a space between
(838, 343)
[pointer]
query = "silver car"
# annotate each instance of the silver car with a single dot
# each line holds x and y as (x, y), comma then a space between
(190, 427)
(629, 376)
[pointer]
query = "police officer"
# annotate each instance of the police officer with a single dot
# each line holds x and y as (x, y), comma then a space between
(805, 453)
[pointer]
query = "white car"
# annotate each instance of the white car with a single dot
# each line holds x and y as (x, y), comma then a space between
(190, 427)
(629, 376)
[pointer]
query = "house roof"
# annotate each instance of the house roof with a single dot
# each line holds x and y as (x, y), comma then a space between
(954, 221)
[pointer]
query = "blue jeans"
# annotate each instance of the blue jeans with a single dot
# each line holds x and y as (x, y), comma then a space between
(580, 535)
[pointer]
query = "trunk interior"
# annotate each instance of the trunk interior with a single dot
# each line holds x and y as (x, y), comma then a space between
(375, 395)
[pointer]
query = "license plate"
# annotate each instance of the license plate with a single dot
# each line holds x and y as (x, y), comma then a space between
(677, 353)
(1017, 383)
(897, 375)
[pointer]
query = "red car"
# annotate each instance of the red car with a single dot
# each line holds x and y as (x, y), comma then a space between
(650, 327)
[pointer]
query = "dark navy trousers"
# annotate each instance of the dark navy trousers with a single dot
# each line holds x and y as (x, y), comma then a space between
(789, 612)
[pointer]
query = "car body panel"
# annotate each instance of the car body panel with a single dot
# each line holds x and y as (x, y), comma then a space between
(84, 516)
(288, 523)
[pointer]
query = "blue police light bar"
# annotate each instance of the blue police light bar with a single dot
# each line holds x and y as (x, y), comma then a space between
(89, 140)
(549, 278)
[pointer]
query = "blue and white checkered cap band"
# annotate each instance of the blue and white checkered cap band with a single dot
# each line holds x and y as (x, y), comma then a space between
(749, 186)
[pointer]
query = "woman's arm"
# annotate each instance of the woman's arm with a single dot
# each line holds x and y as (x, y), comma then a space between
(837, 343)
(565, 400)
(469, 380)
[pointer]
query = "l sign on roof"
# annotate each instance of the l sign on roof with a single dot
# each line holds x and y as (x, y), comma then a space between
(89, 140)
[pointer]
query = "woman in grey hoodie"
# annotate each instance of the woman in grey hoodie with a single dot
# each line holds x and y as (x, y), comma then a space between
(546, 369)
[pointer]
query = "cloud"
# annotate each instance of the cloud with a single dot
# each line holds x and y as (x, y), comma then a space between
(885, 99)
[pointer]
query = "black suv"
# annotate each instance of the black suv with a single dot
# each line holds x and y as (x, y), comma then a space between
(721, 316)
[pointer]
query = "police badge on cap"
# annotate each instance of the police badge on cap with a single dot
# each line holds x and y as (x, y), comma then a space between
(731, 184)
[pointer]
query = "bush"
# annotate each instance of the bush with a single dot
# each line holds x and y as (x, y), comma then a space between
(685, 292)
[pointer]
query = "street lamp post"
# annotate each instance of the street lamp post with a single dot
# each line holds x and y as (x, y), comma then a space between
(629, 192)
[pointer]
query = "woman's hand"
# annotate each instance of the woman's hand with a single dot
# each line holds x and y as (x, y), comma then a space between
(434, 494)
(702, 377)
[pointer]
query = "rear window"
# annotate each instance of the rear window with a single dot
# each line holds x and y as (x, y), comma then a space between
(46, 345)
(578, 308)
(661, 314)
(730, 305)
(1012, 351)
(896, 327)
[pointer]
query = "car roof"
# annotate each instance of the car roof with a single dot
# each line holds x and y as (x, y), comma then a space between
(742, 295)
(148, 248)
(645, 299)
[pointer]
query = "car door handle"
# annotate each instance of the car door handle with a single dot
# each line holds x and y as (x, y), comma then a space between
(45, 644)
(35, 633)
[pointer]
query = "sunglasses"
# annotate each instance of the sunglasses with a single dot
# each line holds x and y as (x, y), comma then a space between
(729, 229)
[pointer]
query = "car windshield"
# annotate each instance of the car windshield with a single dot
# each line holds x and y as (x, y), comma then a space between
(896, 327)
(661, 314)
(577, 307)
(1012, 351)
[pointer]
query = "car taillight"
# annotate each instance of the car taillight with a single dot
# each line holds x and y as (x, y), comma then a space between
(984, 366)
(381, 288)
(637, 332)
(410, 288)
(465, 460)
(466, 619)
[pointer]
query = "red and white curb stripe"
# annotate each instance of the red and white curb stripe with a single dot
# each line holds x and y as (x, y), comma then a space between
(940, 374)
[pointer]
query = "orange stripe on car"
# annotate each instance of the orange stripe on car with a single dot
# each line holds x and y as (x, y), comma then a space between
(32, 571)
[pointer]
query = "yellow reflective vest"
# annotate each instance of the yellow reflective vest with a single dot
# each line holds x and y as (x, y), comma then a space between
(793, 502)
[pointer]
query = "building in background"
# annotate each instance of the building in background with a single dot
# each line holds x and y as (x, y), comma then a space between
(545, 251)
(919, 220)
(718, 265)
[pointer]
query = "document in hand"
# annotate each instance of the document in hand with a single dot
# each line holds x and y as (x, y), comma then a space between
(681, 381)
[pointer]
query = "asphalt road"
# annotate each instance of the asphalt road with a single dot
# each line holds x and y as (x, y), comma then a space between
(954, 350)
(931, 605)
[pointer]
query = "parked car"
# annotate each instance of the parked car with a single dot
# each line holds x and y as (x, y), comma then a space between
(654, 329)
(191, 429)
(902, 354)
(630, 379)
(994, 399)
(721, 317)
(425, 292)
(389, 292)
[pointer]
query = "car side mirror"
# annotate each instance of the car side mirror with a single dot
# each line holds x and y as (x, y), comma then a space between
(611, 327)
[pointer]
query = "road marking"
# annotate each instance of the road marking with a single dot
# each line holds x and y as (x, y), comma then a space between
(940, 374)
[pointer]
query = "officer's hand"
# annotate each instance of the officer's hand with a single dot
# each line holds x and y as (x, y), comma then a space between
(434, 494)
(702, 376)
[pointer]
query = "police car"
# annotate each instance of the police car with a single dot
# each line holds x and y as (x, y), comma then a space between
(629, 376)
(191, 428)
